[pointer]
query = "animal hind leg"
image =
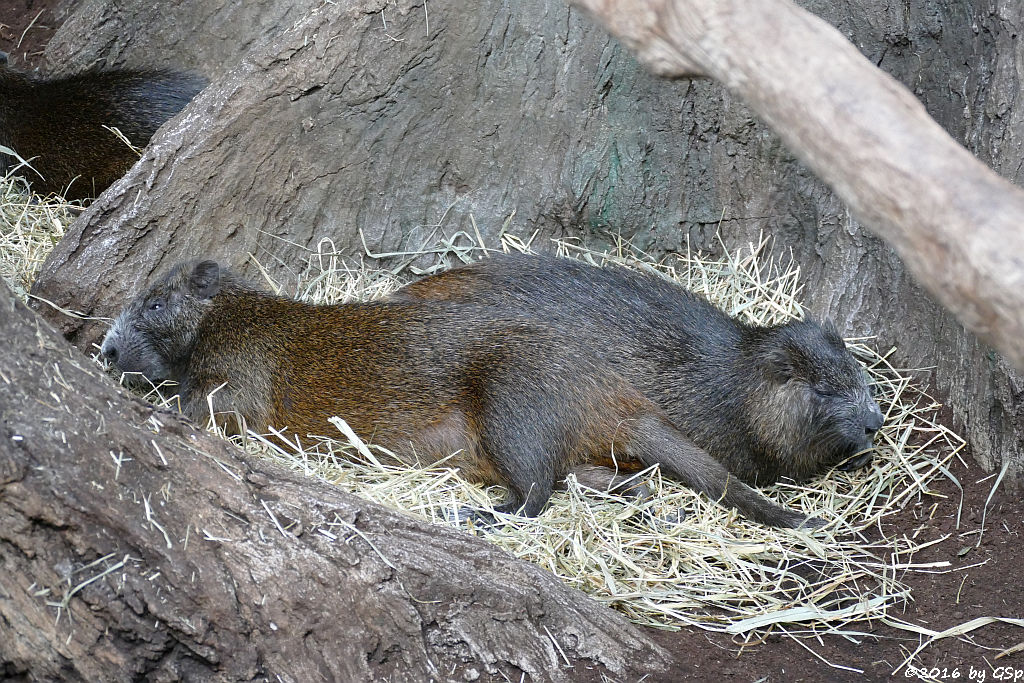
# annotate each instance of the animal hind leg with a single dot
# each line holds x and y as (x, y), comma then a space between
(521, 467)
(519, 442)
(527, 476)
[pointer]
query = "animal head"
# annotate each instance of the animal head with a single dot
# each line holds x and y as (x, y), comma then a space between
(155, 333)
(820, 410)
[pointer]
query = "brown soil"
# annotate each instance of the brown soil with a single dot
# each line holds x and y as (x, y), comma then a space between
(980, 582)
(939, 601)
(26, 26)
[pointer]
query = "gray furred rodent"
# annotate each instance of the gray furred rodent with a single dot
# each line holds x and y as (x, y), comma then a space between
(57, 124)
(767, 401)
(517, 402)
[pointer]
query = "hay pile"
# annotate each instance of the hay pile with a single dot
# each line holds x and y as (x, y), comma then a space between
(29, 229)
(711, 568)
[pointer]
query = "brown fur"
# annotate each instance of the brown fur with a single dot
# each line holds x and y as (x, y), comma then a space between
(57, 125)
(519, 406)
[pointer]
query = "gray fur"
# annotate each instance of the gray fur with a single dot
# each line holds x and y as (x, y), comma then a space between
(768, 402)
(510, 401)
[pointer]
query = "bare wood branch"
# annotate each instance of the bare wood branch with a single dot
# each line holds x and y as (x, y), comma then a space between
(955, 223)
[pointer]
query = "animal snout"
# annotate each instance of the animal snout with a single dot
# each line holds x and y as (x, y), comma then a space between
(873, 421)
(110, 350)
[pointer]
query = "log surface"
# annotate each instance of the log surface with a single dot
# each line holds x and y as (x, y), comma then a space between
(134, 546)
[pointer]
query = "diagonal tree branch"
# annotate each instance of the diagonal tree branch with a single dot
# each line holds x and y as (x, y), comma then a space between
(955, 223)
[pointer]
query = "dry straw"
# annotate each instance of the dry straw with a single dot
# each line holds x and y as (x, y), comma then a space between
(29, 229)
(678, 558)
(711, 568)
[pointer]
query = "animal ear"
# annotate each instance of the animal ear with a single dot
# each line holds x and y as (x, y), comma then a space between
(205, 279)
(781, 363)
(832, 335)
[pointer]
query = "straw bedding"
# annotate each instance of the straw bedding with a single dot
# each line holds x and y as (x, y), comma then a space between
(678, 558)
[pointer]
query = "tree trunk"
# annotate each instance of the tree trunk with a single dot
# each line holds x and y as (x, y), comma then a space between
(951, 219)
(333, 127)
(136, 547)
(208, 36)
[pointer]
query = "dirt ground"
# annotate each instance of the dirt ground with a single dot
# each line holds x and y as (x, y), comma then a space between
(26, 26)
(980, 582)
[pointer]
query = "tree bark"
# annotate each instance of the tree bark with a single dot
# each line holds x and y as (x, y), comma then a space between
(953, 221)
(134, 546)
(331, 128)
(207, 36)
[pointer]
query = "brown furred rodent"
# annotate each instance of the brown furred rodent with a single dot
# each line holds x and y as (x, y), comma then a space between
(768, 402)
(57, 125)
(519, 406)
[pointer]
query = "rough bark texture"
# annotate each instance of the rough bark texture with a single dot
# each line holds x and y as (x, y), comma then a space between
(209, 36)
(135, 547)
(951, 219)
(332, 127)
